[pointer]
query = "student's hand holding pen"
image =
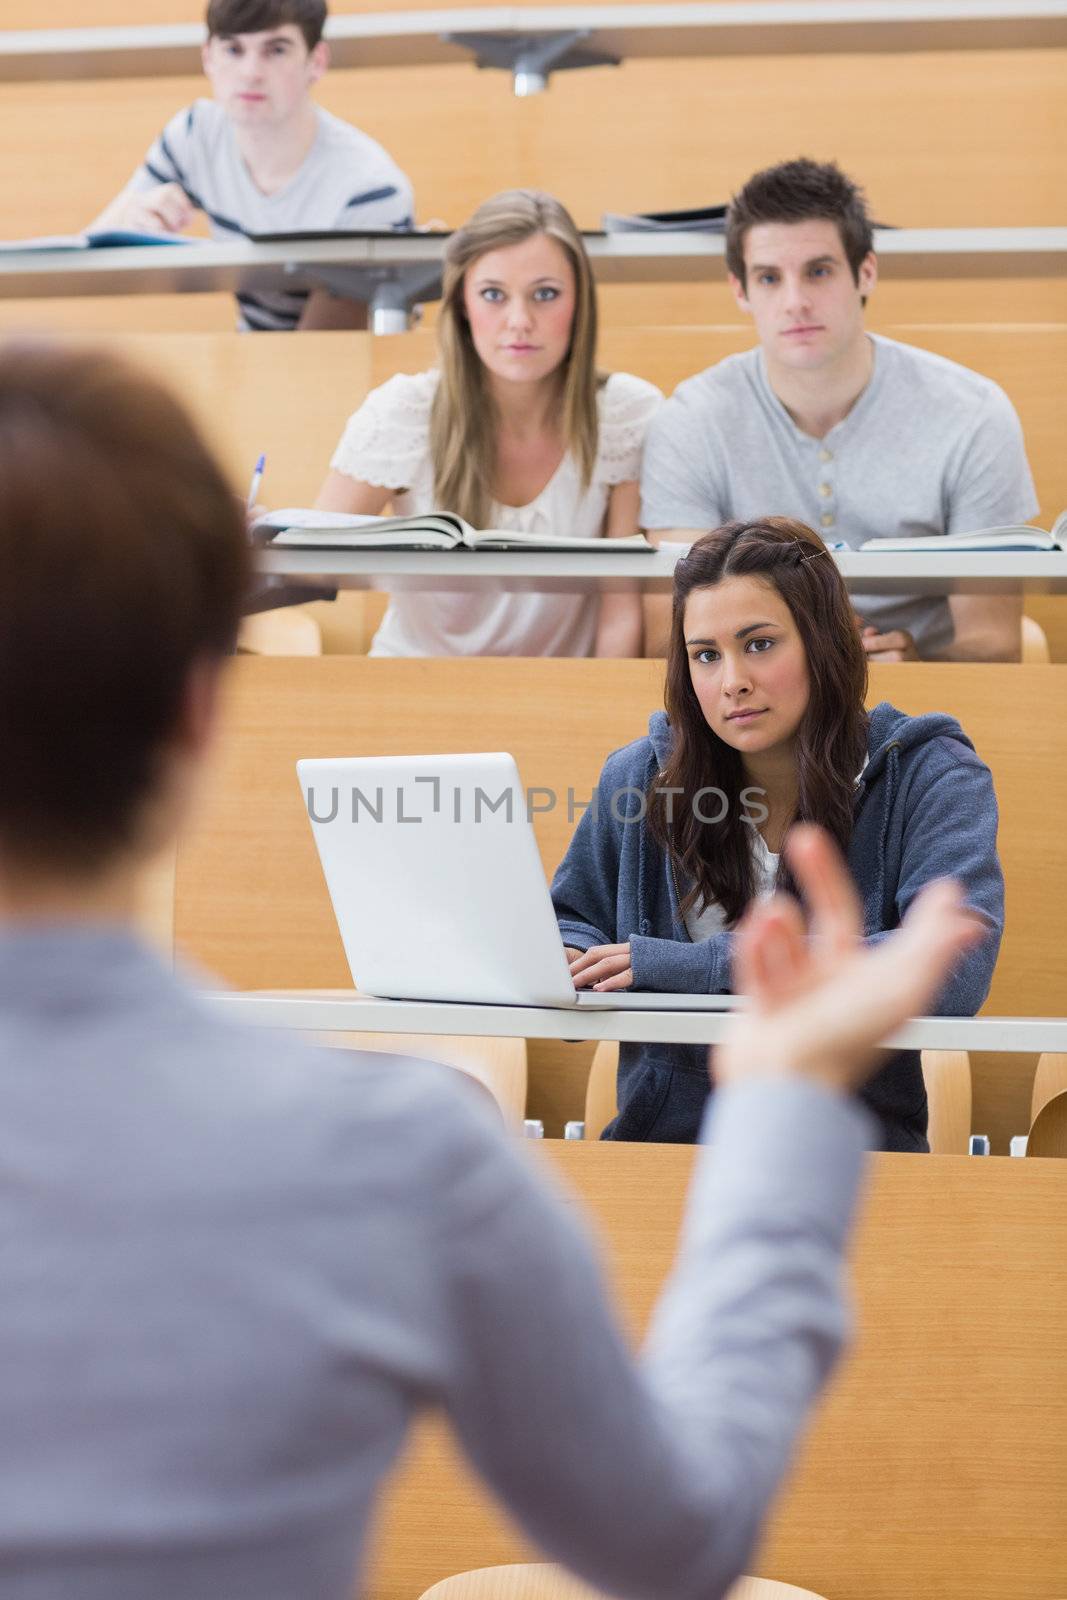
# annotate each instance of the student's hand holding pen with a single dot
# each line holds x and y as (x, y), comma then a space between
(253, 510)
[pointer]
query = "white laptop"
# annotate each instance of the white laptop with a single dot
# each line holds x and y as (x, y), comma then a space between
(437, 883)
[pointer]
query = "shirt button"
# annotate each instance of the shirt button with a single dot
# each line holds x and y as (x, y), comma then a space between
(826, 455)
(825, 490)
(827, 520)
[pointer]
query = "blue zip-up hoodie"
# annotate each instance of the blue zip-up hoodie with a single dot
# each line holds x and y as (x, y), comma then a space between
(924, 809)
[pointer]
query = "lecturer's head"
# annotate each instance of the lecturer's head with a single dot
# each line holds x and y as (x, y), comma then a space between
(124, 561)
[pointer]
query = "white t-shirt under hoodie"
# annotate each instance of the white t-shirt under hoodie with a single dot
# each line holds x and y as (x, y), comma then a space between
(387, 442)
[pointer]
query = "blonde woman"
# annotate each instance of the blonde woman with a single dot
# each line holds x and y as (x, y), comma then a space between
(516, 429)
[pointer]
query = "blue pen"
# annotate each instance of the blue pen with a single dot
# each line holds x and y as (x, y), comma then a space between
(257, 479)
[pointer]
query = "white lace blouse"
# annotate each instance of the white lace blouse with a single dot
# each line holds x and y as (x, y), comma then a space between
(387, 442)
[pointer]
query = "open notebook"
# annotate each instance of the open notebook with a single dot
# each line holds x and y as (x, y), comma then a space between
(441, 530)
(106, 239)
(1015, 537)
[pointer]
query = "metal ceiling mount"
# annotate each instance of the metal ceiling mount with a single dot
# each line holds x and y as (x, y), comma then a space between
(531, 58)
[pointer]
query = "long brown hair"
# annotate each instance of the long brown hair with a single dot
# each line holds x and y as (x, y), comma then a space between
(463, 418)
(831, 741)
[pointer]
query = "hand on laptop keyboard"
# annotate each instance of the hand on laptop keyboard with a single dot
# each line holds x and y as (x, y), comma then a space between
(602, 966)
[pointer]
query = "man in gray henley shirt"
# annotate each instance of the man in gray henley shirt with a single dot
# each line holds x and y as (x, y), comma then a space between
(857, 435)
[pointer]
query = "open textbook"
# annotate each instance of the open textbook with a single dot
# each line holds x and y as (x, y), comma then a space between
(439, 530)
(1018, 536)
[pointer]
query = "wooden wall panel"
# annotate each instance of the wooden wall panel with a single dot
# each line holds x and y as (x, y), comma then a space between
(937, 1466)
(251, 903)
(895, 301)
(269, 393)
(116, 13)
(916, 129)
(246, 392)
(920, 301)
(100, 316)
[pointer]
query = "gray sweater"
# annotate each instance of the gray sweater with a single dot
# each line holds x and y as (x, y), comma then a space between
(235, 1268)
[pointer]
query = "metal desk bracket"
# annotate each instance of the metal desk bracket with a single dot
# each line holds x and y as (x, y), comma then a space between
(391, 293)
(532, 57)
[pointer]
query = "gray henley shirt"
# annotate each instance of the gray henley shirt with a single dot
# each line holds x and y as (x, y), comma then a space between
(928, 448)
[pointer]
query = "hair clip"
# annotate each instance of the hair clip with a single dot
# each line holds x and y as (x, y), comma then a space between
(813, 553)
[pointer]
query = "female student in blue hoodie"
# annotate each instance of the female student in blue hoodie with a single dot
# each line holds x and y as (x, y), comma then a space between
(765, 725)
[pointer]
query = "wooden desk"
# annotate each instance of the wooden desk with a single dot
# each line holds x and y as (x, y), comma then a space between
(936, 1469)
(202, 266)
(695, 1020)
(864, 572)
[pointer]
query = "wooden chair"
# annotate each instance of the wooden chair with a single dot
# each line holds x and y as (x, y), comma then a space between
(1035, 647)
(947, 1074)
(288, 631)
(536, 1581)
(1048, 1107)
(349, 623)
(1049, 1079)
(601, 1099)
(948, 1089)
(499, 1065)
(1048, 1134)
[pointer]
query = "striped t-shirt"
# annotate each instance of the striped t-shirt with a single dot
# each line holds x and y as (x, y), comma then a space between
(346, 182)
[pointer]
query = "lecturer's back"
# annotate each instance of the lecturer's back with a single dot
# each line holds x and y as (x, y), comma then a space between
(232, 1269)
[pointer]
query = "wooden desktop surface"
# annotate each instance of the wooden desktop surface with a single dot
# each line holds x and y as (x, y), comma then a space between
(937, 1467)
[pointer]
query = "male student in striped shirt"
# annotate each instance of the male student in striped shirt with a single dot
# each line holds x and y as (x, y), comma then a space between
(262, 157)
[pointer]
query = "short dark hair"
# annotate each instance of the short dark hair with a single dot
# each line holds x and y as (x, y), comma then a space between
(798, 191)
(124, 560)
(227, 17)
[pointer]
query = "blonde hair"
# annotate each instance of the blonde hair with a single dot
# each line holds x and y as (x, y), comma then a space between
(463, 421)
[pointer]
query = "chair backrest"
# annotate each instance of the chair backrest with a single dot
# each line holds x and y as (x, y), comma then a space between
(601, 1096)
(1035, 650)
(1049, 1079)
(499, 1065)
(1048, 1133)
(541, 1581)
(947, 1075)
(289, 631)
